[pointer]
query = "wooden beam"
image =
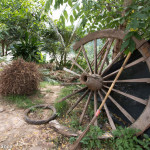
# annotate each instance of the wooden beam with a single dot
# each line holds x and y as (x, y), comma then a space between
(146, 80)
(85, 107)
(87, 60)
(106, 54)
(70, 71)
(95, 106)
(128, 116)
(95, 56)
(113, 61)
(140, 100)
(74, 62)
(70, 95)
(108, 113)
(127, 66)
(77, 102)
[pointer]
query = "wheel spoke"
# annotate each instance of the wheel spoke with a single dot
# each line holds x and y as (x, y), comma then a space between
(70, 71)
(146, 80)
(95, 56)
(74, 62)
(85, 107)
(106, 54)
(92, 63)
(108, 113)
(68, 96)
(101, 53)
(113, 61)
(95, 106)
(102, 56)
(129, 117)
(87, 60)
(127, 66)
(77, 102)
(140, 100)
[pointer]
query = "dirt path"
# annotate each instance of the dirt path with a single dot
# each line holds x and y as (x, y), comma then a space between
(16, 134)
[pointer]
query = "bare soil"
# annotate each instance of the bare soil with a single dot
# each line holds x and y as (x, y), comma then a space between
(16, 134)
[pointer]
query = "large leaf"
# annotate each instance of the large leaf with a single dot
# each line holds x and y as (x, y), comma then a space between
(70, 3)
(71, 19)
(48, 4)
(65, 14)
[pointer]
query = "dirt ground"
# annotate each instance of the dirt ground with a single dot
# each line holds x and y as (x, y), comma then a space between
(16, 134)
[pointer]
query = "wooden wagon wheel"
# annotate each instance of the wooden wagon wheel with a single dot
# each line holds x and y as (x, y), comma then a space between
(100, 74)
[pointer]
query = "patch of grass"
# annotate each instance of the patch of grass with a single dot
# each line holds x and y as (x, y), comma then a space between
(22, 101)
(43, 84)
(63, 106)
(75, 122)
(66, 91)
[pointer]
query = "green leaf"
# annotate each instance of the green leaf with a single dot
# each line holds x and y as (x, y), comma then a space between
(71, 19)
(70, 3)
(125, 44)
(135, 24)
(78, 8)
(131, 45)
(65, 14)
(137, 35)
(128, 35)
(62, 19)
(74, 13)
(122, 20)
(142, 16)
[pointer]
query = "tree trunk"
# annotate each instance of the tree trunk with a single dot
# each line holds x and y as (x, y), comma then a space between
(118, 43)
(65, 58)
(6, 49)
(3, 48)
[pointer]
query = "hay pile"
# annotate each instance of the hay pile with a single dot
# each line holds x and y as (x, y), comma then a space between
(19, 78)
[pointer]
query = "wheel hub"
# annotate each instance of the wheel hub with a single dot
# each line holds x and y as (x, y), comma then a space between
(93, 82)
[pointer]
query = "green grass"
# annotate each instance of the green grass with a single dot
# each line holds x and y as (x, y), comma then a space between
(63, 106)
(43, 84)
(22, 101)
(66, 91)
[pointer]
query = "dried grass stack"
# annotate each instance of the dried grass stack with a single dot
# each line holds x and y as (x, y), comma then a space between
(19, 78)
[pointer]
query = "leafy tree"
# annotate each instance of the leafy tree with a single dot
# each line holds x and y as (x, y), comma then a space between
(18, 17)
(57, 42)
(130, 15)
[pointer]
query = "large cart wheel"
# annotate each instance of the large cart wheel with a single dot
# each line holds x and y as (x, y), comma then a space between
(130, 97)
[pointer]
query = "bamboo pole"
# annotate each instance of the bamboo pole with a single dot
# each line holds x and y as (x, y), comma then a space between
(75, 145)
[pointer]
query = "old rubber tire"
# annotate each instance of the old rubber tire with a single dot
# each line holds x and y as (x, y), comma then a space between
(38, 122)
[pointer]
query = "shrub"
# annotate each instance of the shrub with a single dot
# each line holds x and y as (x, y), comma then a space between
(28, 49)
(125, 138)
(19, 78)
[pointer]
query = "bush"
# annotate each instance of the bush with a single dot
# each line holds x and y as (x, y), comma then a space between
(19, 78)
(28, 49)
